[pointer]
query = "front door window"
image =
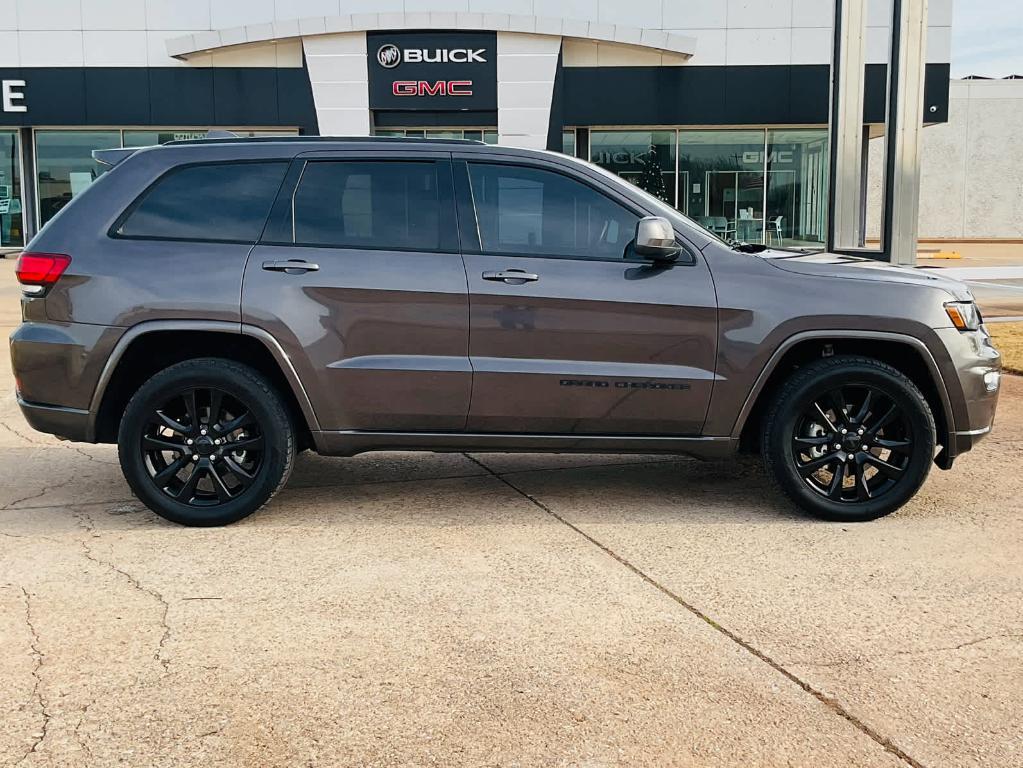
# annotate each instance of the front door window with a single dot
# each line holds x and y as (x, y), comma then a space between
(532, 212)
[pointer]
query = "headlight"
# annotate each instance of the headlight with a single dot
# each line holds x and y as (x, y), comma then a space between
(964, 315)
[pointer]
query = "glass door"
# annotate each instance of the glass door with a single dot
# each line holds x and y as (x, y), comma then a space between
(725, 187)
(797, 191)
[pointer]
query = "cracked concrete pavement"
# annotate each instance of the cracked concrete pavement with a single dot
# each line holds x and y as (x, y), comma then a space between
(419, 609)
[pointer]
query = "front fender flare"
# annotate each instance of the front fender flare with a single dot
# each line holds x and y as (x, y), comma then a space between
(792, 341)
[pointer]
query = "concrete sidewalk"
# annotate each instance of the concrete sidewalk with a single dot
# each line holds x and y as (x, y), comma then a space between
(994, 272)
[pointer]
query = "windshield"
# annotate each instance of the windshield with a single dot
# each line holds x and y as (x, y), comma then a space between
(680, 220)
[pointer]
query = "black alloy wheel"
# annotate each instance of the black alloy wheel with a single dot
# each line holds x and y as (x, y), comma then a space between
(206, 442)
(202, 447)
(849, 438)
(852, 443)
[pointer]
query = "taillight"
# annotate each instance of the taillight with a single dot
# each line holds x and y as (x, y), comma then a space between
(38, 271)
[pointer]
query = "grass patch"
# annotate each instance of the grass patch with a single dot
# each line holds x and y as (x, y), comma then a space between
(1009, 340)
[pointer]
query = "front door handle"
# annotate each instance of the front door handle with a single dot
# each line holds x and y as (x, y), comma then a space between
(291, 266)
(512, 276)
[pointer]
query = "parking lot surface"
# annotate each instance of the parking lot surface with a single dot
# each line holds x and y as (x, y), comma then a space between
(432, 609)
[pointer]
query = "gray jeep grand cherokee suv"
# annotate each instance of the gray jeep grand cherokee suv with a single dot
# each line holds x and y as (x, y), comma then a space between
(215, 306)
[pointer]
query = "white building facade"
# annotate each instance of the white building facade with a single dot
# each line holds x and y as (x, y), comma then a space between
(971, 181)
(719, 107)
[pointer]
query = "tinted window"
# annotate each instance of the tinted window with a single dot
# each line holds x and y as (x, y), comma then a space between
(366, 204)
(531, 211)
(224, 201)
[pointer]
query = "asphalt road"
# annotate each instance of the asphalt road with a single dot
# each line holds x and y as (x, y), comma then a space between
(427, 609)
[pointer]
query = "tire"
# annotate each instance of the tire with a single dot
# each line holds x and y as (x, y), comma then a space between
(210, 480)
(827, 472)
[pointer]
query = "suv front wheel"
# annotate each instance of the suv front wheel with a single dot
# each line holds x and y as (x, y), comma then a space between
(206, 442)
(849, 439)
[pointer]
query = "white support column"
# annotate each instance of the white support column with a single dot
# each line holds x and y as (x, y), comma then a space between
(526, 67)
(847, 79)
(339, 75)
(906, 124)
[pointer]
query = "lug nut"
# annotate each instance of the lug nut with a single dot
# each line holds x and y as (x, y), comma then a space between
(217, 441)
(189, 441)
(838, 446)
(861, 430)
(202, 431)
(195, 457)
(844, 430)
(863, 447)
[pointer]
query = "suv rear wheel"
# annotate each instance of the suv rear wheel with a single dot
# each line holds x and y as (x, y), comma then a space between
(206, 442)
(849, 439)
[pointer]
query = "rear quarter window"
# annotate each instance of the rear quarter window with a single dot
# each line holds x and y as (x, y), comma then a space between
(226, 202)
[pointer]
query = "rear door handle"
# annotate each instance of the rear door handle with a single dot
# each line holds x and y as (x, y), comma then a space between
(513, 276)
(292, 266)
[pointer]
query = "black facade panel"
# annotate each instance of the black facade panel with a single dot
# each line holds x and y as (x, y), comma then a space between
(753, 95)
(875, 93)
(556, 121)
(163, 96)
(14, 119)
(936, 87)
(809, 93)
(117, 96)
(54, 96)
(761, 91)
(245, 96)
(695, 93)
(183, 96)
(295, 104)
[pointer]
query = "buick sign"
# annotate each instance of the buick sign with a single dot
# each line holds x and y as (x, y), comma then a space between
(388, 56)
(435, 71)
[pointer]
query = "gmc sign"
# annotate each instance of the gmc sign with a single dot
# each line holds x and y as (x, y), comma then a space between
(433, 71)
(437, 88)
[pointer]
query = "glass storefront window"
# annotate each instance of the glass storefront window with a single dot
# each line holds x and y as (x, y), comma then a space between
(721, 181)
(12, 233)
(797, 187)
(475, 134)
(645, 158)
(65, 167)
(568, 143)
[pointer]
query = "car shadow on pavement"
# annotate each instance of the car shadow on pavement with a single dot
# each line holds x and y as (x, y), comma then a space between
(433, 489)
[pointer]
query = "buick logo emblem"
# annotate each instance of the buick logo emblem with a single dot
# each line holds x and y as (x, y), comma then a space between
(389, 56)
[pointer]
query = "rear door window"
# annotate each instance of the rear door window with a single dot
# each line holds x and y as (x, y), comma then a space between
(366, 204)
(226, 202)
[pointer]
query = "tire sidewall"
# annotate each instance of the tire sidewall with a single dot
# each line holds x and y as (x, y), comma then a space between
(239, 381)
(781, 457)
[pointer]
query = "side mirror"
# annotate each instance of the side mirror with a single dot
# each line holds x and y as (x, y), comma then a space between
(655, 239)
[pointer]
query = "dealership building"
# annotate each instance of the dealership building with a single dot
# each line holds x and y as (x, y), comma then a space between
(719, 107)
